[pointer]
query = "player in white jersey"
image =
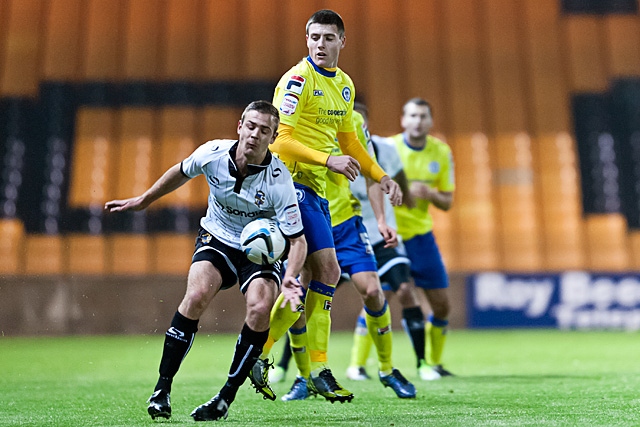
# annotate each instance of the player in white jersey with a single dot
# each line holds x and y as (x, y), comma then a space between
(245, 182)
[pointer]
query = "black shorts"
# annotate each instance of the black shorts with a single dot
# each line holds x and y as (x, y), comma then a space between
(394, 267)
(233, 264)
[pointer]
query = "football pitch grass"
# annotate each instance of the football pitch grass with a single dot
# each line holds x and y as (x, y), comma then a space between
(504, 378)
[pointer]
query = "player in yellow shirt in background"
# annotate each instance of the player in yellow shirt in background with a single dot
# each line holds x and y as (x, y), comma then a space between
(428, 165)
(315, 99)
(356, 258)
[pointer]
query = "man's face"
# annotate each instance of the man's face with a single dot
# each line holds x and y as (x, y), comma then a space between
(324, 43)
(256, 132)
(416, 120)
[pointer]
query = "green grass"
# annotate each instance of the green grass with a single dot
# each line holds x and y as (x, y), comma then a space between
(505, 378)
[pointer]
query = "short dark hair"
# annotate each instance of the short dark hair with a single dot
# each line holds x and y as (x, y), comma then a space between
(263, 107)
(327, 17)
(418, 101)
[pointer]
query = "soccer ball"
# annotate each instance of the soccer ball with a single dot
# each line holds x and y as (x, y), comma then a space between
(262, 241)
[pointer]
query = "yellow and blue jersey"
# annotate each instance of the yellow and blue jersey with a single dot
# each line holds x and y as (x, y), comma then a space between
(318, 104)
(342, 203)
(431, 165)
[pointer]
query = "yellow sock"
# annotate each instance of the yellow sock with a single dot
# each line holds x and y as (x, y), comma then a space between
(361, 344)
(281, 321)
(436, 337)
(318, 312)
(298, 339)
(379, 325)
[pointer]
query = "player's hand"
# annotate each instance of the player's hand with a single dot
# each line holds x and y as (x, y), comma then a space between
(132, 204)
(346, 165)
(421, 190)
(292, 291)
(392, 189)
(389, 234)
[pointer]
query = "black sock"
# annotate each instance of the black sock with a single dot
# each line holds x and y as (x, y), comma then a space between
(177, 342)
(413, 322)
(248, 349)
(286, 353)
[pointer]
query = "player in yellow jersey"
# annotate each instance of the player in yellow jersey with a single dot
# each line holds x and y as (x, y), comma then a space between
(356, 258)
(315, 99)
(428, 165)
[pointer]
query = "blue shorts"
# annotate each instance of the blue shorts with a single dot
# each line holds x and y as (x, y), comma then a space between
(316, 219)
(353, 248)
(427, 268)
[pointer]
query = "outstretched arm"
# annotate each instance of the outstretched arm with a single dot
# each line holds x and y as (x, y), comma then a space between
(350, 144)
(169, 181)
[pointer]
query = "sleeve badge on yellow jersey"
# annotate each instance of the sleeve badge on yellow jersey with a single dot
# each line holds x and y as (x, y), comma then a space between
(296, 84)
(289, 104)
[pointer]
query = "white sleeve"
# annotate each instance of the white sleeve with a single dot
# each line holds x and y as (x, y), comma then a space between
(285, 204)
(387, 154)
(192, 166)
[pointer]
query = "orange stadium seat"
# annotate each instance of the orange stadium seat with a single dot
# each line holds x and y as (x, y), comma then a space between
(384, 79)
(634, 242)
(91, 157)
(553, 149)
(43, 254)
(622, 41)
(587, 70)
(607, 242)
(86, 253)
(102, 42)
(170, 251)
(474, 211)
(561, 210)
(511, 144)
(11, 241)
(90, 186)
(515, 192)
(19, 75)
(606, 234)
(62, 60)
(143, 29)
(129, 254)
(423, 43)
(133, 172)
(221, 51)
(182, 39)
(176, 140)
(262, 24)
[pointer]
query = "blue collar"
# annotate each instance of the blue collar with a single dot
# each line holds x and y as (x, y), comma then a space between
(411, 147)
(322, 71)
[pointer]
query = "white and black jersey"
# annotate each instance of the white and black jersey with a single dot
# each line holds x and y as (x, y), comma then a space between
(266, 192)
(388, 159)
